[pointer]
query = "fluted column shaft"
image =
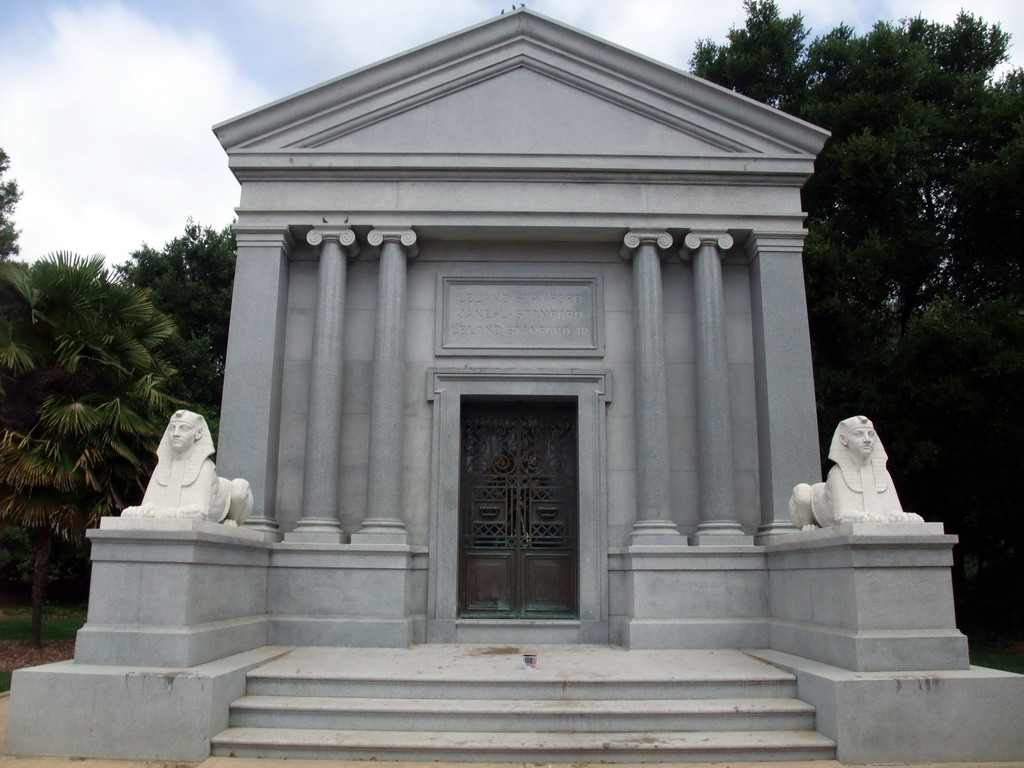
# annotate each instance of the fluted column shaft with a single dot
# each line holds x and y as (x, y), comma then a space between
(319, 522)
(383, 522)
(714, 413)
(654, 522)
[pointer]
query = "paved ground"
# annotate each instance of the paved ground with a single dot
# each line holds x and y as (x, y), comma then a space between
(499, 663)
(8, 761)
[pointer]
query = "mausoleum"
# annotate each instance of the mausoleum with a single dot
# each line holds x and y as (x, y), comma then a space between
(519, 359)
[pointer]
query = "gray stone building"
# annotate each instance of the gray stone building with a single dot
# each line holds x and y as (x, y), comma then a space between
(519, 356)
(519, 227)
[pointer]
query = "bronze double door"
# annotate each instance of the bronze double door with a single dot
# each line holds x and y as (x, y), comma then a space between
(518, 499)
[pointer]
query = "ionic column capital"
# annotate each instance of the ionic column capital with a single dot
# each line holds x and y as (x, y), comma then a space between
(695, 240)
(404, 236)
(344, 236)
(638, 237)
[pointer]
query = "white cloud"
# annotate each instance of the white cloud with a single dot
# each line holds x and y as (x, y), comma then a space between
(106, 113)
(106, 117)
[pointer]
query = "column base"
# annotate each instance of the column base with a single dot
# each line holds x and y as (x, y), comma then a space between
(381, 531)
(265, 526)
(316, 530)
(721, 533)
(656, 533)
(766, 531)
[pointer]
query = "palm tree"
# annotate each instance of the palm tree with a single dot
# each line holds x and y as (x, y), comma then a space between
(81, 399)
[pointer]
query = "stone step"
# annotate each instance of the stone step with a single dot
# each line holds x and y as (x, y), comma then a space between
(534, 632)
(310, 712)
(527, 686)
(461, 746)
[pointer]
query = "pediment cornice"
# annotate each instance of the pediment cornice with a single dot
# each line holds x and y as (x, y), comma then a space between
(518, 45)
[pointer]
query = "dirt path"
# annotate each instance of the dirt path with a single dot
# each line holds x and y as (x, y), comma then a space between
(15, 654)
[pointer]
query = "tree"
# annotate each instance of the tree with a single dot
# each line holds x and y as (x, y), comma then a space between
(914, 264)
(190, 280)
(82, 408)
(9, 196)
(763, 60)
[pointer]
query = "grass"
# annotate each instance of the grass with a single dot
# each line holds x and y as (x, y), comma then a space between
(19, 628)
(997, 659)
(59, 623)
(998, 650)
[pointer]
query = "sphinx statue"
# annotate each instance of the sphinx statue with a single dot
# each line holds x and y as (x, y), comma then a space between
(858, 488)
(185, 483)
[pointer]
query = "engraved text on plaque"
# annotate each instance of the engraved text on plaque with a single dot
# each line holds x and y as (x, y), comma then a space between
(518, 316)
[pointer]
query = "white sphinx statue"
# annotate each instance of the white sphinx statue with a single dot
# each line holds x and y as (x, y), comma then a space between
(185, 483)
(858, 488)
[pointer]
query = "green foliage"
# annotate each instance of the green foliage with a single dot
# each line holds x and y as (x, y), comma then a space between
(914, 264)
(762, 60)
(80, 376)
(9, 196)
(82, 403)
(69, 562)
(190, 280)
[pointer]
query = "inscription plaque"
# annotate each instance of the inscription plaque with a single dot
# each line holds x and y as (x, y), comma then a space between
(519, 316)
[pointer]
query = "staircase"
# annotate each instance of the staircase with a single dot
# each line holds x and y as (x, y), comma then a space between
(476, 703)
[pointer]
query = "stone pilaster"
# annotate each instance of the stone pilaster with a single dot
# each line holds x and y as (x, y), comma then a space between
(319, 521)
(383, 523)
(654, 523)
(787, 428)
(251, 411)
(718, 523)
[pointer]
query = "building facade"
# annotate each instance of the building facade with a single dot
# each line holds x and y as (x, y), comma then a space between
(519, 354)
(519, 220)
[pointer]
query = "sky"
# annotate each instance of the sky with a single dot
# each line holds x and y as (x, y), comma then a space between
(106, 106)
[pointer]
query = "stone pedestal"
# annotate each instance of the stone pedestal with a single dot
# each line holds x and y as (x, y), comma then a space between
(173, 593)
(866, 597)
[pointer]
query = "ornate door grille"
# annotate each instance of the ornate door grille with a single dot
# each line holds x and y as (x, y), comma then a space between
(518, 517)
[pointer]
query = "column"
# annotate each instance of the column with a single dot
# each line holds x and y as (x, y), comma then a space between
(319, 521)
(654, 524)
(787, 429)
(251, 410)
(383, 523)
(718, 523)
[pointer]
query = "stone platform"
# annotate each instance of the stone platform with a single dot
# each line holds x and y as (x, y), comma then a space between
(479, 702)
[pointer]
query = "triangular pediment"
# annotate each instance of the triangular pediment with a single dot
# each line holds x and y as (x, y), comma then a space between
(521, 84)
(522, 111)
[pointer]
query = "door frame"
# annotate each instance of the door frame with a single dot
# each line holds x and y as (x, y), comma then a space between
(591, 391)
